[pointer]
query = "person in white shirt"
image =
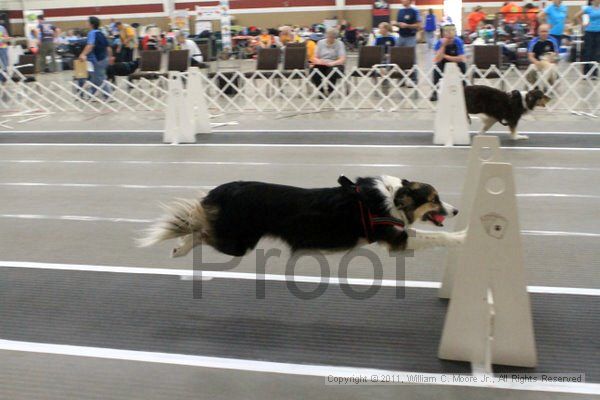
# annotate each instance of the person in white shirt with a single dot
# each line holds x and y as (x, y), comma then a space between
(183, 43)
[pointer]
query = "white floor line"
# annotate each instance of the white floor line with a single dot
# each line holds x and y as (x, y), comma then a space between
(79, 218)
(304, 131)
(105, 185)
(189, 274)
(280, 164)
(274, 367)
(276, 145)
(208, 187)
(500, 132)
(558, 233)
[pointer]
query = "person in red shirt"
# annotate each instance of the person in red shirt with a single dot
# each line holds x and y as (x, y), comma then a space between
(475, 18)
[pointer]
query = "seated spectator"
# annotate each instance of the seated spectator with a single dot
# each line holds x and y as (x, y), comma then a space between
(265, 40)
(448, 49)
(183, 43)
(153, 40)
(542, 52)
(531, 17)
(311, 45)
(384, 37)
(511, 12)
(329, 58)
(286, 35)
(475, 18)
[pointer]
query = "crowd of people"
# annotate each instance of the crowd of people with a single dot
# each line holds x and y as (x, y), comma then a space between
(326, 49)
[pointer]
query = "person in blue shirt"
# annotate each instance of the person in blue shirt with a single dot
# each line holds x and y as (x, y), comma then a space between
(409, 22)
(555, 15)
(448, 49)
(430, 27)
(591, 38)
(542, 44)
(384, 37)
(98, 52)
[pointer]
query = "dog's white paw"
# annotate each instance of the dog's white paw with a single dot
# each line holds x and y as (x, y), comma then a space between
(520, 137)
(178, 252)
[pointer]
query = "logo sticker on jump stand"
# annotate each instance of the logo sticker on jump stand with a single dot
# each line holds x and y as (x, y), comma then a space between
(494, 225)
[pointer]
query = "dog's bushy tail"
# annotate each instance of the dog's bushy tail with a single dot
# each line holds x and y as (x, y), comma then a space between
(184, 216)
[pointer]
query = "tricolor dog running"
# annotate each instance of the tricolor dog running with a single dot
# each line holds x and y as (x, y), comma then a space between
(234, 216)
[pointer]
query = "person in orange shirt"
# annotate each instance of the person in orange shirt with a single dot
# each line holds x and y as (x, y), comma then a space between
(475, 18)
(511, 12)
(265, 39)
(531, 16)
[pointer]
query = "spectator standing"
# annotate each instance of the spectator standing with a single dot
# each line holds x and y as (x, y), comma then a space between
(591, 38)
(409, 22)
(128, 42)
(329, 59)
(430, 28)
(98, 53)
(448, 48)
(474, 19)
(46, 34)
(555, 15)
(3, 48)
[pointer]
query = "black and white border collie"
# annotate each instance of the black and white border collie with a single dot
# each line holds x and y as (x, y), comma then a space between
(497, 106)
(234, 216)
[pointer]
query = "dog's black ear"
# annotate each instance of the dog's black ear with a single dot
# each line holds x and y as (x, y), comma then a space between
(405, 182)
(345, 182)
(402, 198)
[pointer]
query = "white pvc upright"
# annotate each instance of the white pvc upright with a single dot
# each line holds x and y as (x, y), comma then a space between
(483, 149)
(490, 266)
(451, 125)
(198, 108)
(179, 127)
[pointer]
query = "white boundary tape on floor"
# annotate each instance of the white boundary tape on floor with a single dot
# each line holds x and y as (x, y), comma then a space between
(188, 274)
(295, 145)
(275, 367)
(280, 164)
(267, 130)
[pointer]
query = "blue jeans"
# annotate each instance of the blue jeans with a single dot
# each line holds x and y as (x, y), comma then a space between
(4, 58)
(409, 41)
(3, 61)
(429, 37)
(98, 76)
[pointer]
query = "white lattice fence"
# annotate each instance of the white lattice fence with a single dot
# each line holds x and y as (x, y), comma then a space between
(384, 87)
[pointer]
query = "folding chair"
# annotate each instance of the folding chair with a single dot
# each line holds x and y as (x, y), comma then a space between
(484, 57)
(150, 65)
(178, 60)
(267, 63)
